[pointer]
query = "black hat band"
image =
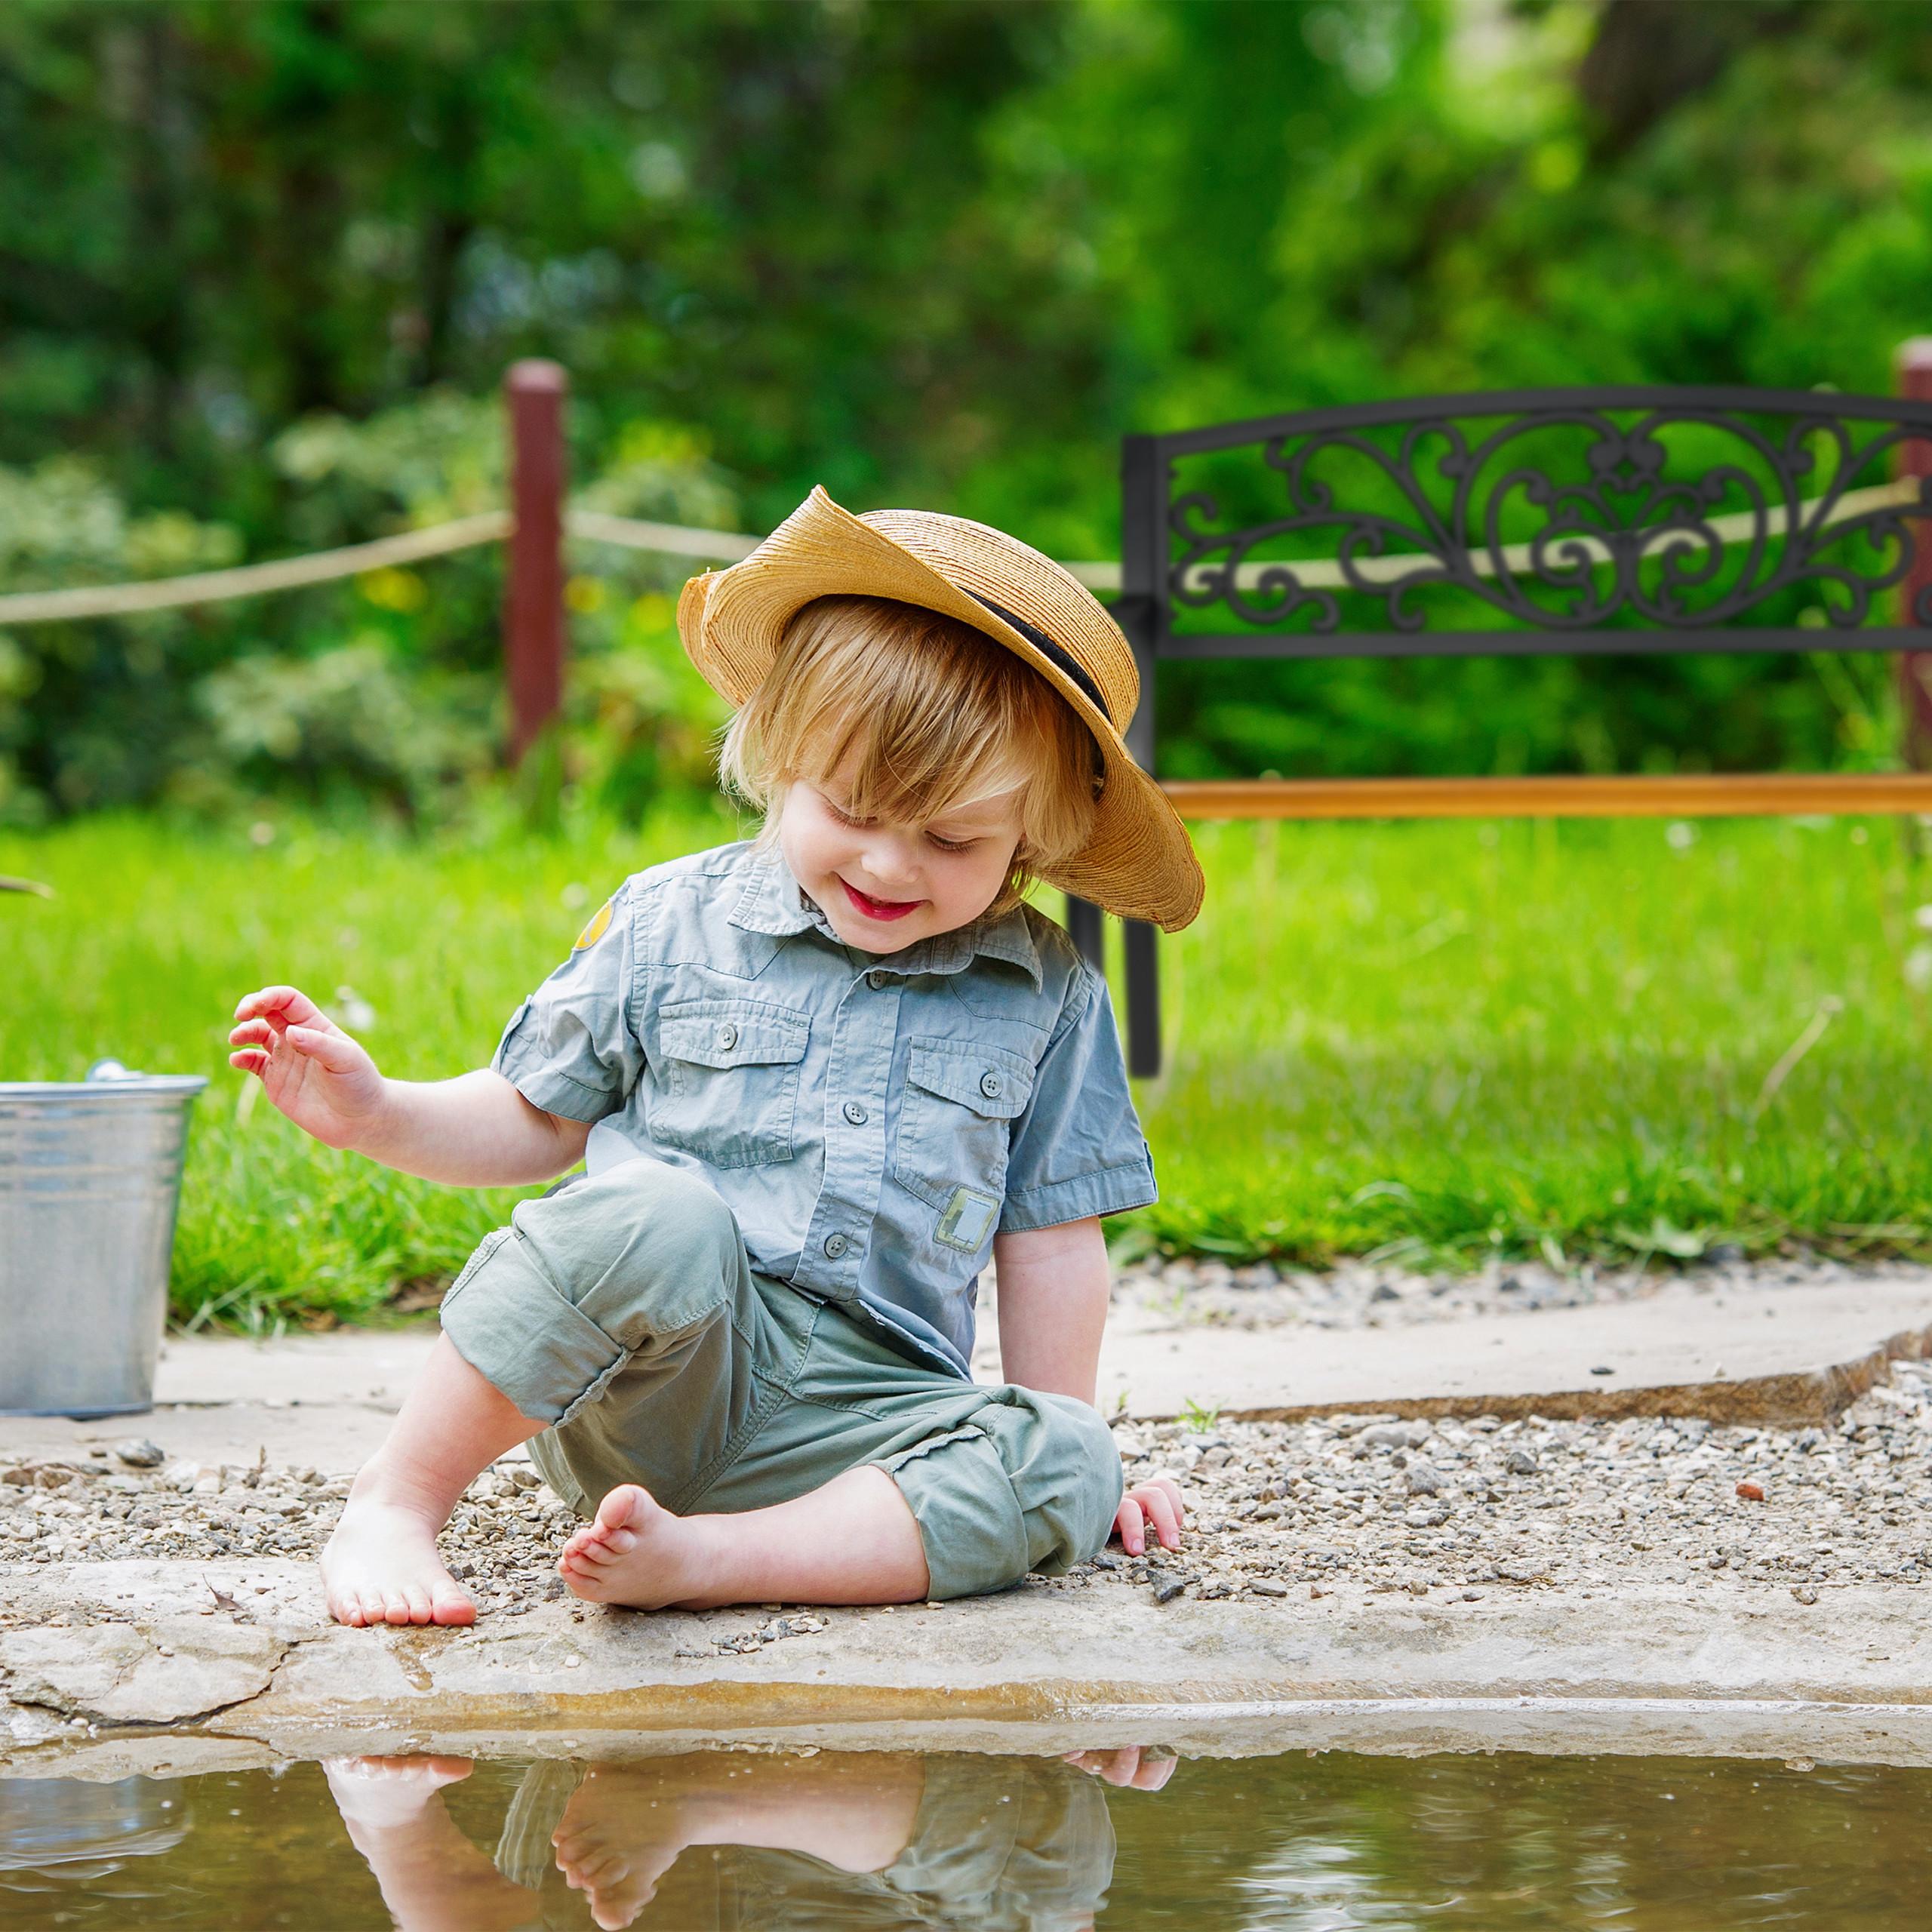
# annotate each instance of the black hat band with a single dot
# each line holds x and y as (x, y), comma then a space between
(1060, 658)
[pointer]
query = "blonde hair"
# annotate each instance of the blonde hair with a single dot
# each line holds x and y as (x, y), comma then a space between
(931, 716)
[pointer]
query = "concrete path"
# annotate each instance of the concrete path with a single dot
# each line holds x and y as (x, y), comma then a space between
(234, 1658)
(1736, 1671)
(1786, 1356)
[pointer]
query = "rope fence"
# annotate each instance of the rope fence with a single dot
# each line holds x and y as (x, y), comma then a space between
(174, 593)
(671, 540)
(538, 522)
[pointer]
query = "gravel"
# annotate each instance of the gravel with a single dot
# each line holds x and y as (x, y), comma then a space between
(1277, 1510)
(1478, 1504)
(1370, 1294)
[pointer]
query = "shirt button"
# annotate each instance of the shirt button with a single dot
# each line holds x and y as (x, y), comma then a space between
(990, 1085)
(855, 1113)
(876, 981)
(834, 1246)
(728, 1036)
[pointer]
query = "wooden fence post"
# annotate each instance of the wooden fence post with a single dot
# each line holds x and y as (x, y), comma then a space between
(1914, 382)
(533, 630)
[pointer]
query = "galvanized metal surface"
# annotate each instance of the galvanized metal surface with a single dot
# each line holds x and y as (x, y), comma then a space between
(90, 1172)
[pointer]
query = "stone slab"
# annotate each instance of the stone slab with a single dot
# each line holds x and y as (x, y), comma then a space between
(1733, 1668)
(324, 1401)
(1786, 1356)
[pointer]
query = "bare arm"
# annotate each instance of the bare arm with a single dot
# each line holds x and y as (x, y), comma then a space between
(476, 1130)
(1053, 1305)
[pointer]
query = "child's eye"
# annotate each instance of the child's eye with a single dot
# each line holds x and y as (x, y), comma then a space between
(843, 817)
(951, 844)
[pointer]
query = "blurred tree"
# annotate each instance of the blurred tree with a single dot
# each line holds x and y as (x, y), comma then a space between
(942, 254)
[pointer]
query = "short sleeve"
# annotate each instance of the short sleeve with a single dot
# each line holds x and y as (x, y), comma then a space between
(569, 1047)
(1078, 1149)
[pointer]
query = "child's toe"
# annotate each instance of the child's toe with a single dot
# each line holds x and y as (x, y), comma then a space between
(450, 1606)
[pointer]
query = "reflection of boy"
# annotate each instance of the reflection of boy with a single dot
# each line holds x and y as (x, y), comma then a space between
(867, 1840)
(821, 1081)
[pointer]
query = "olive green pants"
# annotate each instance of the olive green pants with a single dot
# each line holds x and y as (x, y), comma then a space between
(623, 1311)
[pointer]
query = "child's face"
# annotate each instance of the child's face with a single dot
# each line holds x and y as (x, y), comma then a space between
(884, 886)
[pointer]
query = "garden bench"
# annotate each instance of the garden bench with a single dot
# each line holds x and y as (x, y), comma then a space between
(1533, 522)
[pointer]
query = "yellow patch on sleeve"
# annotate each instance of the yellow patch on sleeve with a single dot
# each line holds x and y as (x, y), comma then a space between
(599, 925)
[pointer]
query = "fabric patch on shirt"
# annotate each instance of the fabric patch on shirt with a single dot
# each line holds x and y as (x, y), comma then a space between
(966, 1220)
(600, 924)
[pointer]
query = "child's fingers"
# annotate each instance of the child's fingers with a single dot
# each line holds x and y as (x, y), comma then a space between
(253, 1033)
(335, 1051)
(1170, 1489)
(289, 1003)
(1132, 1527)
(1162, 1510)
(250, 1059)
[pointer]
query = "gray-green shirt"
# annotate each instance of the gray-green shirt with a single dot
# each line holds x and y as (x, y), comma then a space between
(872, 1122)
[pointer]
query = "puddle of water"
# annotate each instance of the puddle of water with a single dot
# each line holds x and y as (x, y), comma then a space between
(874, 1842)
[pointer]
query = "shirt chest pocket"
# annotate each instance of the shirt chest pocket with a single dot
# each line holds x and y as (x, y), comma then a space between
(955, 1125)
(727, 1085)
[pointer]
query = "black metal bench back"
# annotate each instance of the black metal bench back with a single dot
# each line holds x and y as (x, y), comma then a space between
(1520, 523)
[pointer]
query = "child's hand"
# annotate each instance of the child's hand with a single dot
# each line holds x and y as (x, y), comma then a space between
(310, 1069)
(1156, 1501)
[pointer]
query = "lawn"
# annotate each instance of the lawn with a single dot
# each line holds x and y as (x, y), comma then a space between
(1438, 1041)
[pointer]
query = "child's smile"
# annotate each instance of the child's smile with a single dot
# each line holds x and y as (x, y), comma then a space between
(885, 886)
(882, 909)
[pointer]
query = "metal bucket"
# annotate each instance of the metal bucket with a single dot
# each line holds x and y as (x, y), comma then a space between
(89, 1173)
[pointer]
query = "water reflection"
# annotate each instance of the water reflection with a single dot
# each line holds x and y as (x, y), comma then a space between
(862, 1840)
(877, 1841)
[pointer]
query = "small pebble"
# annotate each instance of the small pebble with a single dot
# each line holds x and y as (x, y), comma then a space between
(1752, 1492)
(138, 1453)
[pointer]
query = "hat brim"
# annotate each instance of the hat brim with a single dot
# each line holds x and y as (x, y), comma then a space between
(1138, 862)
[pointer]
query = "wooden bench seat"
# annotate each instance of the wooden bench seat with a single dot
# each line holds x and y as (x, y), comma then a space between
(1695, 795)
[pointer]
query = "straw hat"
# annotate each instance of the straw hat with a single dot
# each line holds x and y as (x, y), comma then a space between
(1138, 862)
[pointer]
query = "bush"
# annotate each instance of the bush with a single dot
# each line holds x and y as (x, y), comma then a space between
(383, 691)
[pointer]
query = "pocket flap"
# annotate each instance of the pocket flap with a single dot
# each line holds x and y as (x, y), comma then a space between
(992, 1082)
(733, 1032)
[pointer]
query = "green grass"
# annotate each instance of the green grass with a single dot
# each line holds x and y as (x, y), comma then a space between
(1438, 1041)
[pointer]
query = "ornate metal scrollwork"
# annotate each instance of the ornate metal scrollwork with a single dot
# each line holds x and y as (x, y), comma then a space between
(1570, 511)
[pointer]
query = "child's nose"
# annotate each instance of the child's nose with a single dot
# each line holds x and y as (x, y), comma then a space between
(891, 864)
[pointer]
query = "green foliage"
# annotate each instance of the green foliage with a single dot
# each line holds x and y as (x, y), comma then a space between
(380, 693)
(266, 263)
(1443, 1042)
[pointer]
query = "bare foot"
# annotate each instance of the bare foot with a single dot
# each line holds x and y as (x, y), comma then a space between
(612, 1848)
(384, 1793)
(635, 1553)
(381, 1566)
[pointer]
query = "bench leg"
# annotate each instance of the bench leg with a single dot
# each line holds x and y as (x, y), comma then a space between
(1143, 999)
(1085, 927)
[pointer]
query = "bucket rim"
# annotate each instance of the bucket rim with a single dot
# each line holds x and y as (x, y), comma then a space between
(146, 1086)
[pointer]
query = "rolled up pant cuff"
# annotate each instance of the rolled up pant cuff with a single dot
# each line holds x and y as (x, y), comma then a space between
(526, 1337)
(990, 1507)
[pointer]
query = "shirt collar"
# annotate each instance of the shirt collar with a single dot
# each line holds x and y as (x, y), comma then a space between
(773, 902)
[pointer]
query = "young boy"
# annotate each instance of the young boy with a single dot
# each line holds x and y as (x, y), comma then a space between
(817, 1081)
